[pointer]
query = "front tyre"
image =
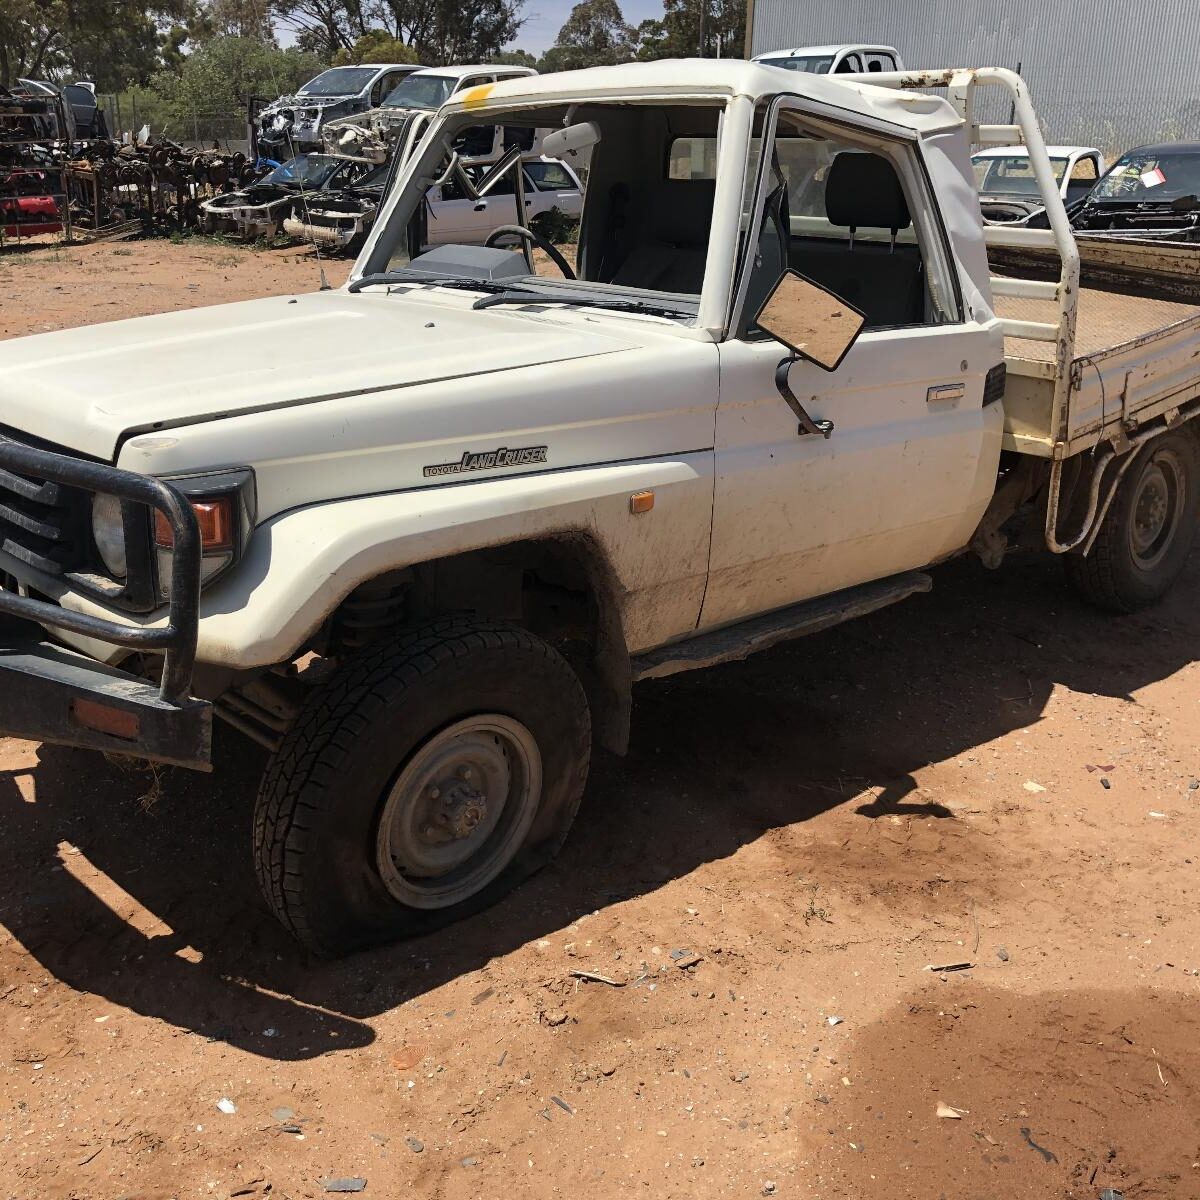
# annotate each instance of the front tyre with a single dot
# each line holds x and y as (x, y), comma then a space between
(1147, 535)
(422, 782)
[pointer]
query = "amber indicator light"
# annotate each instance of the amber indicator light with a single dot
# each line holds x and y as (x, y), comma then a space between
(215, 518)
(116, 722)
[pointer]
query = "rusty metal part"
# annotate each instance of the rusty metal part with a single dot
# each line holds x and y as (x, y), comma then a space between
(163, 182)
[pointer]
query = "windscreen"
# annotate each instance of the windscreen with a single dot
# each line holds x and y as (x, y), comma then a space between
(1011, 175)
(339, 81)
(549, 175)
(421, 91)
(375, 178)
(1151, 176)
(305, 170)
(813, 64)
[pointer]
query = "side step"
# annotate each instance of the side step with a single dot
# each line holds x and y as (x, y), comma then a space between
(735, 642)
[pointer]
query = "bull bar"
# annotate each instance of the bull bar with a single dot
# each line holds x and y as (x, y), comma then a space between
(52, 694)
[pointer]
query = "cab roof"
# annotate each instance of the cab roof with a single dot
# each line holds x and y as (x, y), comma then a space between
(717, 78)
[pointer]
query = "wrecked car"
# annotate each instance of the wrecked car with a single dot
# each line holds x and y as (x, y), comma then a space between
(260, 209)
(456, 211)
(408, 108)
(292, 125)
(1008, 191)
(1150, 192)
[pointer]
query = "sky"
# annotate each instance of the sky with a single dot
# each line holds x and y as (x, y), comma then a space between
(544, 18)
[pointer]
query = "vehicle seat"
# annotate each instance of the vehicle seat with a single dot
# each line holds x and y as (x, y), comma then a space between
(670, 255)
(883, 280)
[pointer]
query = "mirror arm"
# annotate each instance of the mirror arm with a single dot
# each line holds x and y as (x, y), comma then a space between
(807, 424)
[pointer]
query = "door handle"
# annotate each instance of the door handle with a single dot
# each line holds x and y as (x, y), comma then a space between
(945, 393)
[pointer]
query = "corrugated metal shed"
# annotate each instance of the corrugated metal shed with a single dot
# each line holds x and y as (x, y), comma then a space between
(1109, 73)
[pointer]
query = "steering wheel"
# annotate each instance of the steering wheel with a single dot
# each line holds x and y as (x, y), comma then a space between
(529, 238)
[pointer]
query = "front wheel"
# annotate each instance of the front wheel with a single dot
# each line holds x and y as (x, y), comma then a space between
(420, 783)
(1147, 535)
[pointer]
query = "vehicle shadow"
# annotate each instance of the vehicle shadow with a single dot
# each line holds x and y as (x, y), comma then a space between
(719, 758)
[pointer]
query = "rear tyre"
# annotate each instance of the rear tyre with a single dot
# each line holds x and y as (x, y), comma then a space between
(1147, 535)
(422, 782)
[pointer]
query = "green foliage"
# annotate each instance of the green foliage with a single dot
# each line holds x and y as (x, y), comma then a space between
(233, 18)
(375, 46)
(679, 33)
(514, 58)
(438, 31)
(216, 81)
(594, 35)
(107, 41)
(556, 227)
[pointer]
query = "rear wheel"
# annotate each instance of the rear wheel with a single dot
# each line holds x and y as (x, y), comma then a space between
(1148, 532)
(420, 783)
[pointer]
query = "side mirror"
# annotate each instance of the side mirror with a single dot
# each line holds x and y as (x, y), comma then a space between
(809, 320)
(571, 141)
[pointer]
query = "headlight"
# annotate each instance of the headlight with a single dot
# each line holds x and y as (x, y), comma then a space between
(225, 506)
(108, 532)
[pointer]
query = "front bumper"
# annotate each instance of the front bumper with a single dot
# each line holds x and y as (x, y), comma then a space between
(335, 237)
(55, 695)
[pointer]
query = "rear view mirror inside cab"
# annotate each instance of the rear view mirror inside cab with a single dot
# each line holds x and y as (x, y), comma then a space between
(809, 320)
(570, 142)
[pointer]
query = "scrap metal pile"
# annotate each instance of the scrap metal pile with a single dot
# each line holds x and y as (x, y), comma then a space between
(160, 186)
(32, 199)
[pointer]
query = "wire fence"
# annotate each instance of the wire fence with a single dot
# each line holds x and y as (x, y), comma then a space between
(212, 129)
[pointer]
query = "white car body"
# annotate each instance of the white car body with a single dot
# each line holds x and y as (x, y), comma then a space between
(457, 218)
(453, 217)
(846, 59)
(1077, 169)
(632, 468)
(644, 390)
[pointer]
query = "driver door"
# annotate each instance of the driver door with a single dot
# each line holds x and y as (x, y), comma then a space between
(457, 217)
(911, 462)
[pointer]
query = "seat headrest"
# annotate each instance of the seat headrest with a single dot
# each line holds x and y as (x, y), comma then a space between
(683, 211)
(862, 191)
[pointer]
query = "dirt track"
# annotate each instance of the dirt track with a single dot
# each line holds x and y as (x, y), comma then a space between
(819, 824)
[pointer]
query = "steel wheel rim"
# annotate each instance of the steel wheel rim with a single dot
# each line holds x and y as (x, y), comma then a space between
(1156, 510)
(458, 811)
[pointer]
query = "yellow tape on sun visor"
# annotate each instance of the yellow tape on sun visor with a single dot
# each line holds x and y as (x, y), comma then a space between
(477, 96)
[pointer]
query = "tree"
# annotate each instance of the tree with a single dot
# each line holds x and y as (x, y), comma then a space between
(682, 34)
(217, 79)
(514, 58)
(376, 46)
(594, 35)
(439, 31)
(323, 27)
(107, 41)
(447, 31)
(240, 18)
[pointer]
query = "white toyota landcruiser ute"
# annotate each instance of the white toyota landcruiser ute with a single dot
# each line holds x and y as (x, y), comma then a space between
(424, 557)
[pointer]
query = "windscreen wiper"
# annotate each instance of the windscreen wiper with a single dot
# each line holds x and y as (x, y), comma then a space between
(531, 296)
(450, 281)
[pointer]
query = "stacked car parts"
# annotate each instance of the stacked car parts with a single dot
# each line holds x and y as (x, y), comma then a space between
(161, 186)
